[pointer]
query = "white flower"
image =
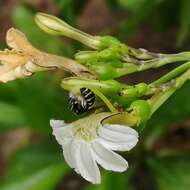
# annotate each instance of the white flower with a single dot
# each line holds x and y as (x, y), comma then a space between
(87, 142)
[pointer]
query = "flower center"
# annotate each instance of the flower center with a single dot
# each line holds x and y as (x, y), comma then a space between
(85, 134)
(86, 128)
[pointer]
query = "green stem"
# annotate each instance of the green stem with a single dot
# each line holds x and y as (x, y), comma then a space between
(104, 99)
(172, 74)
(162, 60)
(157, 100)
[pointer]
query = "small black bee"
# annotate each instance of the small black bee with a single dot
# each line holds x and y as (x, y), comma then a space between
(81, 102)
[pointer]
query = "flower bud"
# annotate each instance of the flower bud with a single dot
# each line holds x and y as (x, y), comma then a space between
(141, 88)
(108, 54)
(56, 26)
(114, 43)
(142, 109)
(85, 57)
(108, 41)
(126, 96)
(104, 71)
(108, 87)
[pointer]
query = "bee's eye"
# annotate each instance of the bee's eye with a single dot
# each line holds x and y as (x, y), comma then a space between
(81, 103)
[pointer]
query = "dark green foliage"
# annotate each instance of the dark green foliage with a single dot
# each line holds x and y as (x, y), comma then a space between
(39, 167)
(171, 172)
(34, 101)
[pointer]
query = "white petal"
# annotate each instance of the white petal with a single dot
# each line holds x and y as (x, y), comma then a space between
(108, 159)
(57, 123)
(67, 153)
(118, 146)
(62, 133)
(118, 137)
(121, 130)
(86, 164)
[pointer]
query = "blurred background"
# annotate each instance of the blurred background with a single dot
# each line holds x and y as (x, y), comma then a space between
(30, 158)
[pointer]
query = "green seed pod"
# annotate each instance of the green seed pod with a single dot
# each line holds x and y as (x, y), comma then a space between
(130, 93)
(142, 109)
(104, 71)
(141, 88)
(123, 100)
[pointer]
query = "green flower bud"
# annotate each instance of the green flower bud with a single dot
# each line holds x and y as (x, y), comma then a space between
(142, 109)
(123, 100)
(104, 71)
(112, 86)
(124, 49)
(130, 93)
(141, 88)
(116, 63)
(108, 87)
(55, 26)
(108, 41)
(108, 54)
(86, 57)
(114, 44)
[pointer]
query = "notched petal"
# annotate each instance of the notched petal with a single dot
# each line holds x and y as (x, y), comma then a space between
(18, 41)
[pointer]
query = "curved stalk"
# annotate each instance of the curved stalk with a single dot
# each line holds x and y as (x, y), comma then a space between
(172, 74)
(157, 100)
(162, 60)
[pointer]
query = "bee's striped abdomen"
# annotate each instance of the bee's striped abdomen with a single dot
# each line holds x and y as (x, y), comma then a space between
(81, 103)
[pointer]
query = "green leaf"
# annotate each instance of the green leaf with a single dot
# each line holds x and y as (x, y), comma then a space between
(175, 110)
(69, 10)
(10, 115)
(184, 22)
(165, 15)
(112, 181)
(134, 5)
(171, 172)
(41, 100)
(39, 167)
(139, 11)
(38, 98)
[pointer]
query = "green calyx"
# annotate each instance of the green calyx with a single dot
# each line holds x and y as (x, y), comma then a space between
(142, 109)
